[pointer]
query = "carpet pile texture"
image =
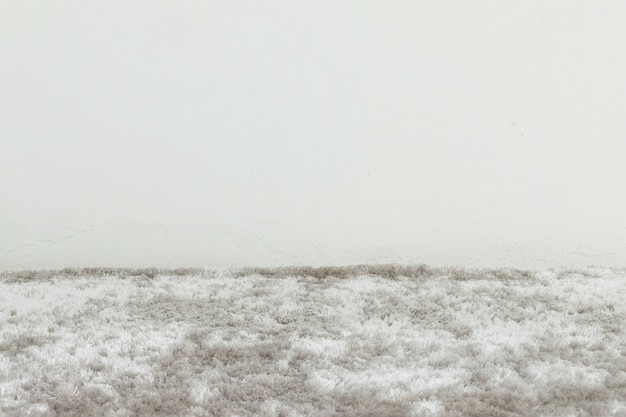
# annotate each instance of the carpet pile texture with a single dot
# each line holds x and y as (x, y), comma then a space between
(368, 340)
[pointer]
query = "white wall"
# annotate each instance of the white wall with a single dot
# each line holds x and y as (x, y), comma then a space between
(236, 132)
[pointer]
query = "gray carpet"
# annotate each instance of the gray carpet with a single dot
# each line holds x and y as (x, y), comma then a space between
(380, 340)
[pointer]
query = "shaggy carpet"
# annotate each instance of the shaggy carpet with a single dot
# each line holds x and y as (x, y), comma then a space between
(382, 340)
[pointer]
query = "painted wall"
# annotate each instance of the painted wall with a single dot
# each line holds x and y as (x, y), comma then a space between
(227, 133)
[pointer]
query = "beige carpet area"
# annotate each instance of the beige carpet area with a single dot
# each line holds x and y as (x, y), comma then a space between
(377, 340)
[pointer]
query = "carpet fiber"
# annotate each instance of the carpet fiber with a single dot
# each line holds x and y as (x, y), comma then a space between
(381, 340)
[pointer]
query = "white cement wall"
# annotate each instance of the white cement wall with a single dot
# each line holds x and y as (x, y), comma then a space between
(227, 133)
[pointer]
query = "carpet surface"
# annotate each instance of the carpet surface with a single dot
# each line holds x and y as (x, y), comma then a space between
(381, 340)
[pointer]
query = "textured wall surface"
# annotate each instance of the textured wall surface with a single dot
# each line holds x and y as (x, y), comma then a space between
(264, 133)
